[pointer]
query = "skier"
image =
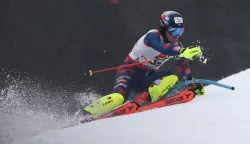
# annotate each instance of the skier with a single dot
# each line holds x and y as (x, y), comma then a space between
(159, 45)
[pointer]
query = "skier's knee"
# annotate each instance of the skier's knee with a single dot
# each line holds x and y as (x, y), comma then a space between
(161, 86)
(167, 72)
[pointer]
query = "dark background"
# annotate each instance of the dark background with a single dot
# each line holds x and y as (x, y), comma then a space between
(58, 39)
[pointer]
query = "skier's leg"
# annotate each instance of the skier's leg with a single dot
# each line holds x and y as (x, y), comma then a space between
(118, 97)
(161, 82)
(161, 86)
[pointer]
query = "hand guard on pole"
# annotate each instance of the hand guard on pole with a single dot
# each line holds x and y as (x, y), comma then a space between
(189, 52)
(197, 88)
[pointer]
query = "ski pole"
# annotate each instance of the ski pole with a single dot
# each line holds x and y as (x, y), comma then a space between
(199, 81)
(205, 82)
(90, 72)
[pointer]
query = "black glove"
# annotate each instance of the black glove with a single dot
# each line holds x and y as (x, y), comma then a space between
(197, 88)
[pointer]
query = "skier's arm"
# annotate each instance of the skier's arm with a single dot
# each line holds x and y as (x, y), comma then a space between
(184, 68)
(153, 40)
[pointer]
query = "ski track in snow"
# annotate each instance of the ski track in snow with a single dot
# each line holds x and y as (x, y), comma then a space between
(219, 117)
(21, 117)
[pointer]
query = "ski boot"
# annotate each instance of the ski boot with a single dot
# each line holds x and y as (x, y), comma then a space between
(157, 89)
(105, 104)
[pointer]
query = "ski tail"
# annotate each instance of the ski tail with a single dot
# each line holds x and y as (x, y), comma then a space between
(132, 107)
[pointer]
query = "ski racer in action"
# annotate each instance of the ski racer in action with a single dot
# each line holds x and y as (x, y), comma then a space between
(158, 45)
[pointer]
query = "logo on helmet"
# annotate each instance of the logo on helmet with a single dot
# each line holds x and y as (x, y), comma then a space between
(178, 20)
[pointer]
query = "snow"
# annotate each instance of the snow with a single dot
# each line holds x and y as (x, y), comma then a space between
(219, 117)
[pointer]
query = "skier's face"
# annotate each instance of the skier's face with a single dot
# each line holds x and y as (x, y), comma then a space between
(171, 38)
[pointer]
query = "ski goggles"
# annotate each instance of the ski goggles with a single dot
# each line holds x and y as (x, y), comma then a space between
(175, 31)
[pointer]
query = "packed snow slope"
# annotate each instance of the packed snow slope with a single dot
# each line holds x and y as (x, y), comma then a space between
(222, 116)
